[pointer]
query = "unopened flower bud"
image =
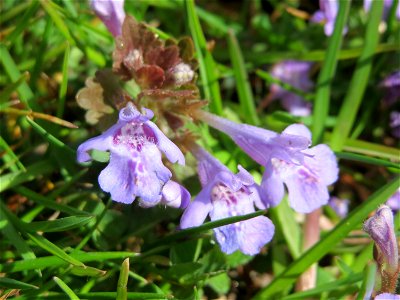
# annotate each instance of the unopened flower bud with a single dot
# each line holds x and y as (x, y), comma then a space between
(183, 74)
(380, 227)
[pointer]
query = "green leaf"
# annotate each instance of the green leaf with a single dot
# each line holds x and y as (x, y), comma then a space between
(323, 93)
(54, 261)
(63, 224)
(355, 218)
(86, 271)
(64, 83)
(70, 293)
(207, 65)
(358, 83)
(122, 291)
(242, 81)
(53, 249)
(220, 283)
(51, 9)
(368, 284)
(367, 160)
(9, 283)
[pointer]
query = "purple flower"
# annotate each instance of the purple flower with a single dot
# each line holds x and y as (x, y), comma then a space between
(387, 5)
(294, 73)
(135, 167)
(287, 158)
(111, 12)
(381, 229)
(387, 296)
(225, 195)
(394, 201)
(340, 206)
(391, 85)
(395, 123)
(327, 14)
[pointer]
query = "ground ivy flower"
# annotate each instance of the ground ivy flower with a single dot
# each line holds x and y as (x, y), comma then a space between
(287, 159)
(327, 15)
(340, 206)
(111, 12)
(387, 296)
(381, 229)
(135, 168)
(391, 85)
(394, 201)
(225, 195)
(296, 74)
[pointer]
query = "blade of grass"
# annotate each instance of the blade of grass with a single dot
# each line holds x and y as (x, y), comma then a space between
(285, 219)
(8, 90)
(354, 219)
(64, 83)
(41, 168)
(70, 293)
(372, 149)
(12, 71)
(23, 23)
(242, 81)
(367, 160)
(9, 283)
(58, 225)
(368, 283)
(205, 227)
(358, 83)
(330, 286)
(9, 156)
(51, 9)
(103, 296)
(49, 202)
(322, 96)
(122, 291)
(54, 261)
(206, 62)
(257, 59)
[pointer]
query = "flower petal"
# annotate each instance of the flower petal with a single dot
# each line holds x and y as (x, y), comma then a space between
(117, 179)
(171, 151)
(271, 189)
(254, 234)
(298, 130)
(102, 142)
(306, 193)
(322, 162)
(198, 209)
(175, 195)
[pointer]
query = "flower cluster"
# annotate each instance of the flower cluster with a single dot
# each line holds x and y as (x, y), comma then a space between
(137, 145)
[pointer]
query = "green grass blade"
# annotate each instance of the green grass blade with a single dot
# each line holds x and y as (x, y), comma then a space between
(63, 224)
(11, 233)
(53, 249)
(323, 288)
(205, 227)
(49, 202)
(10, 180)
(12, 71)
(9, 283)
(323, 93)
(10, 157)
(354, 219)
(64, 83)
(358, 83)
(103, 296)
(256, 59)
(51, 9)
(122, 291)
(242, 81)
(368, 284)
(372, 149)
(70, 293)
(367, 160)
(55, 261)
(207, 65)
(284, 217)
